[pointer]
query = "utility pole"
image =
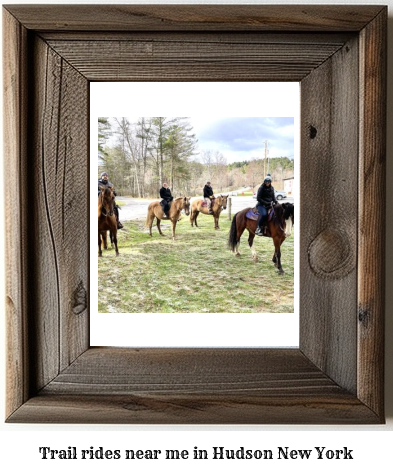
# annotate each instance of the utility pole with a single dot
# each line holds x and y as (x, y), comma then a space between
(266, 158)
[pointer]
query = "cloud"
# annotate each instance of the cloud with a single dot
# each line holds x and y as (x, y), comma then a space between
(240, 138)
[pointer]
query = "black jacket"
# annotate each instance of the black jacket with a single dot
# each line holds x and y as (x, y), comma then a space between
(266, 195)
(165, 193)
(207, 191)
(105, 182)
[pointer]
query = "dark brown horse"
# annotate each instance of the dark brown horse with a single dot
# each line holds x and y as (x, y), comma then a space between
(219, 204)
(106, 217)
(279, 228)
(155, 211)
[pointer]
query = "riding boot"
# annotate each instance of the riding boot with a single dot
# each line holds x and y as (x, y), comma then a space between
(258, 231)
(119, 225)
(210, 210)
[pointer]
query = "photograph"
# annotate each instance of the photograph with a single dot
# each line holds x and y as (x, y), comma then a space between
(196, 214)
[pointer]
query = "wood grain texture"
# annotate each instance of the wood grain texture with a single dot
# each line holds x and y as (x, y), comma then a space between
(195, 386)
(372, 191)
(219, 59)
(14, 149)
(195, 17)
(52, 374)
(329, 189)
(58, 217)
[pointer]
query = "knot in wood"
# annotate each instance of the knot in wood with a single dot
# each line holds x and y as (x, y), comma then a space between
(331, 255)
(80, 299)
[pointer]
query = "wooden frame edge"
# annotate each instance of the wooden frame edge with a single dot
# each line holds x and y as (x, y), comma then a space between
(369, 397)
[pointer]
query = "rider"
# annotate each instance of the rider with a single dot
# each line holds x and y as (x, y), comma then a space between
(167, 198)
(208, 195)
(104, 181)
(266, 198)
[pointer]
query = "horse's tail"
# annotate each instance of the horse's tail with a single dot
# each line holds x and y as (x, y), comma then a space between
(148, 217)
(232, 239)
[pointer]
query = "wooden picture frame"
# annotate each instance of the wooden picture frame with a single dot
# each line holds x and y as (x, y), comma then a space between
(338, 54)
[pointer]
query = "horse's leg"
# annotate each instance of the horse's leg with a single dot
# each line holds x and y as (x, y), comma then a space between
(99, 244)
(114, 234)
(216, 226)
(174, 222)
(192, 218)
(158, 223)
(104, 239)
(277, 255)
(251, 236)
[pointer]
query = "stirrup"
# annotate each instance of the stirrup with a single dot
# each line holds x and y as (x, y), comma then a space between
(258, 231)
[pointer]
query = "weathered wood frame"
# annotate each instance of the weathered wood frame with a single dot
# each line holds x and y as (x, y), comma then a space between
(338, 54)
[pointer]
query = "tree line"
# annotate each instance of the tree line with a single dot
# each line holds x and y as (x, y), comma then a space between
(141, 154)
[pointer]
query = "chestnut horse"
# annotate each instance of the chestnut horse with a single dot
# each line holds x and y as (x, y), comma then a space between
(219, 204)
(106, 217)
(279, 228)
(155, 211)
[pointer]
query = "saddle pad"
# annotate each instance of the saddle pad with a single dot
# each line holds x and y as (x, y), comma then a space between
(254, 215)
(203, 203)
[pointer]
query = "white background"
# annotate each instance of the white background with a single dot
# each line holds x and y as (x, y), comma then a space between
(173, 99)
(371, 444)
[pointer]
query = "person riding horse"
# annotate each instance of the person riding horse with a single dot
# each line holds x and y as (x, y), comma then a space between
(266, 198)
(208, 195)
(104, 181)
(167, 198)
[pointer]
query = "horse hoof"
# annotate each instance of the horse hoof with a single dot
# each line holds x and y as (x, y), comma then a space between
(281, 272)
(237, 254)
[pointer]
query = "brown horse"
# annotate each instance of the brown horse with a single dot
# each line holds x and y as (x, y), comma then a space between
(279, 228)
(155, 211)
(106, 217)
(219, 204)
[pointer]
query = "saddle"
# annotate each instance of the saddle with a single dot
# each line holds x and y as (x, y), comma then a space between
(165, 206)
(253, 214)
(204, 202)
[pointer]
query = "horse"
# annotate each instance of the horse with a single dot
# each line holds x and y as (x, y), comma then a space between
(197, 206)
(279, 228)
(155, 211)
(106, 218)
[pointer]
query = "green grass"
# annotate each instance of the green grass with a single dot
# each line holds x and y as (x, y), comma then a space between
(195, 274)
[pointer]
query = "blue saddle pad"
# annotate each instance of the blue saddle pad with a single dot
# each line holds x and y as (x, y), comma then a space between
(251, 215)
(255, 216)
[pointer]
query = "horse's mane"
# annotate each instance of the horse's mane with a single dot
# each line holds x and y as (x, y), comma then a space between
(278, 214)
(288, 211)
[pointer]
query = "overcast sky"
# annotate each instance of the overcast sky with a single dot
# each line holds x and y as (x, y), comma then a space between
(243, 138)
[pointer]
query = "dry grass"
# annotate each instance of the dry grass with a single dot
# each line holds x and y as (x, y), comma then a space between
(196, 274)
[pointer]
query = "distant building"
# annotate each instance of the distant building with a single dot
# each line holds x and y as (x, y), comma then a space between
(289, 185)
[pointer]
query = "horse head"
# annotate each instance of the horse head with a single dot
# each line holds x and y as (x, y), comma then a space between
(288, 217)
(224, 200)
(106, 200)
(186, 205)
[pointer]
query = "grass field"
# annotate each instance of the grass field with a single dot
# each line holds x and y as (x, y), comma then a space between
(195, 274)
